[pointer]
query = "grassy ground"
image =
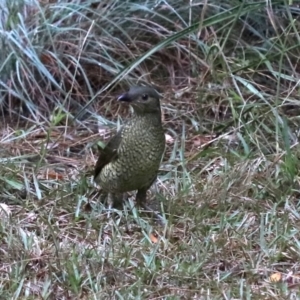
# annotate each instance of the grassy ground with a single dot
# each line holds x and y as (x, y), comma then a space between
(229, 181)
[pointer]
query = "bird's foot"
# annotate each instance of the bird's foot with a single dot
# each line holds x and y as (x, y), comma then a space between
(159, 218)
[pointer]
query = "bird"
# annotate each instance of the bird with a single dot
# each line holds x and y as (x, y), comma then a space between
(131, 159)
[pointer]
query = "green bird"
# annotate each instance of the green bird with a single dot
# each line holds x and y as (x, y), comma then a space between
(131, 159)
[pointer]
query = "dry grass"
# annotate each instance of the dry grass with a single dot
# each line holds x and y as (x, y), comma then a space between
(229, 182)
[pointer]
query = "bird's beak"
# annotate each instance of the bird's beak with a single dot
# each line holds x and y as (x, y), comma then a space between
(125, 98)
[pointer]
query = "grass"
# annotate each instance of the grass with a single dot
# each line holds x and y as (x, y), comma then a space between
(229, 181)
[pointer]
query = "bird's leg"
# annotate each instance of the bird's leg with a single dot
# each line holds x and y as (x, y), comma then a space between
(114, 200)
(118, 200)
(103, 196)
(111, 199)
(110, 202)
(141, 201)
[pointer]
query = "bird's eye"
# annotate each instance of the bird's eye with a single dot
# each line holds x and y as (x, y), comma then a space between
(145, 97)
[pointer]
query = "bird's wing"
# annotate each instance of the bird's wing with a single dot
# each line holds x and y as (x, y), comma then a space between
(109, 153)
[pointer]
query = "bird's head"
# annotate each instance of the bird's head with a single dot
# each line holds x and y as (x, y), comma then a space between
(143, 99)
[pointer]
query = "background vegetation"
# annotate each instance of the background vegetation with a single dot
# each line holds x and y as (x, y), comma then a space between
(229, 182)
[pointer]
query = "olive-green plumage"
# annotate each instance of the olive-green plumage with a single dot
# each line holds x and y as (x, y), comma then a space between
(131, 159)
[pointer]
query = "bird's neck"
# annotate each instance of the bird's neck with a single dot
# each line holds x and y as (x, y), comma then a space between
(154, 117)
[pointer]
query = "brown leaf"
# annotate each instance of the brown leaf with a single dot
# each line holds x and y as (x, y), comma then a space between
(153, 238)
(276, 277)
